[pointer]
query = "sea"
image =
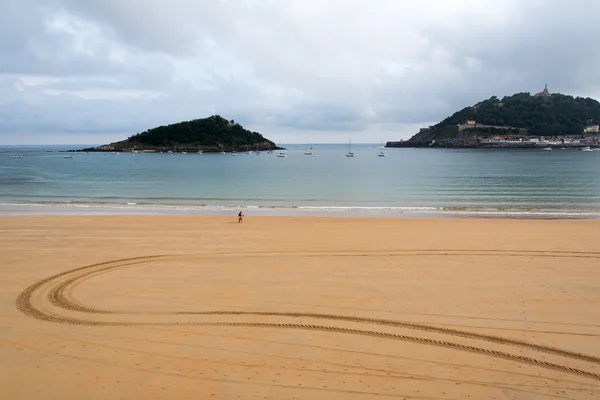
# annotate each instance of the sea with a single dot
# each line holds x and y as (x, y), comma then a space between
(407, 182)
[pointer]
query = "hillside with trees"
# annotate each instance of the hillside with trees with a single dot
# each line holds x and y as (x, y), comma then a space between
(214, 133)
(544, 114)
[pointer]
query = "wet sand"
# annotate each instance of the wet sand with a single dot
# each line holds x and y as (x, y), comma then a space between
(164, 307)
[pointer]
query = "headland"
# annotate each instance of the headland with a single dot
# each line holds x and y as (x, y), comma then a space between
(546, 120)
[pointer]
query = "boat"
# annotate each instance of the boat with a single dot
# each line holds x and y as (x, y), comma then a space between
(586, 148)
(281, 153)
(381, 153)
(349, 153)
(67, 156)
(308, 151)
(547, 148)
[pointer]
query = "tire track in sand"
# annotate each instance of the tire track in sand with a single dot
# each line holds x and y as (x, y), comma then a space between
(56, 290)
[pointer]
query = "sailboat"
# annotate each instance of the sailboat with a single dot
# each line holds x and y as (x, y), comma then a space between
(308, 151)
(349, 153)
(281, 153)
(381, 153)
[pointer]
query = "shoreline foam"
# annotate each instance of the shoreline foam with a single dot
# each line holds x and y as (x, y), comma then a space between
(149, 209)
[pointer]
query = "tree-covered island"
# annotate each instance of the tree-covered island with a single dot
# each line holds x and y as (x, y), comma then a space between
(212, 134)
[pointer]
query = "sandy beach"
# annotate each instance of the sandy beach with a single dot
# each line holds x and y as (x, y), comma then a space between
(170, 307)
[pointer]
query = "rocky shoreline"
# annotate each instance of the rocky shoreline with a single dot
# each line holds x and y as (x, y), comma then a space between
(128, 147)
(479, 145)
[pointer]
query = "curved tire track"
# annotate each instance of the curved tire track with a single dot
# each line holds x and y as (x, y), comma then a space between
(61, 283)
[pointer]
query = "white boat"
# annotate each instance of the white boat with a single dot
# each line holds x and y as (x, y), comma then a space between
(586, 148)
(349, 153)
(308, 151)
(13, 156)
(67, 156)
(381, 153)
(281, 153)
(547, 148)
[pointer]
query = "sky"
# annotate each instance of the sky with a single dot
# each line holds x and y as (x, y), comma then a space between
(318, 71)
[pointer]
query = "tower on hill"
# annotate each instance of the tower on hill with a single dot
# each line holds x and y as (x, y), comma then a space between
(544, 93)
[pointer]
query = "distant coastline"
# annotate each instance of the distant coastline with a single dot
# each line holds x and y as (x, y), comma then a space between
(504, 142)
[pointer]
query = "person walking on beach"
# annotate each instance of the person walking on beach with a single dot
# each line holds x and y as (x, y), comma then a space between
(240, 217)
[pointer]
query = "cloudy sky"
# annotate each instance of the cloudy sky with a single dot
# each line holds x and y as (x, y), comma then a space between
(96, 71)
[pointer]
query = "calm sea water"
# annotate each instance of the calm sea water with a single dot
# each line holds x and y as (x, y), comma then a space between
(406, 181)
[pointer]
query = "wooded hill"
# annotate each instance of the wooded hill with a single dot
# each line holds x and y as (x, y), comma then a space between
(214, 133)
(547, 115)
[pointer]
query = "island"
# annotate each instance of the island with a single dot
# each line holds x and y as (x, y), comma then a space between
(212, 134)
(544, 120)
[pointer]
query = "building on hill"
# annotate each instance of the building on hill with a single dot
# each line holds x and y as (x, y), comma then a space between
(472, 124)
(544, 93)
(591, 129)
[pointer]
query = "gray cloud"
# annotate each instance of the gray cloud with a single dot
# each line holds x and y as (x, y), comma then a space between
(293, 70)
